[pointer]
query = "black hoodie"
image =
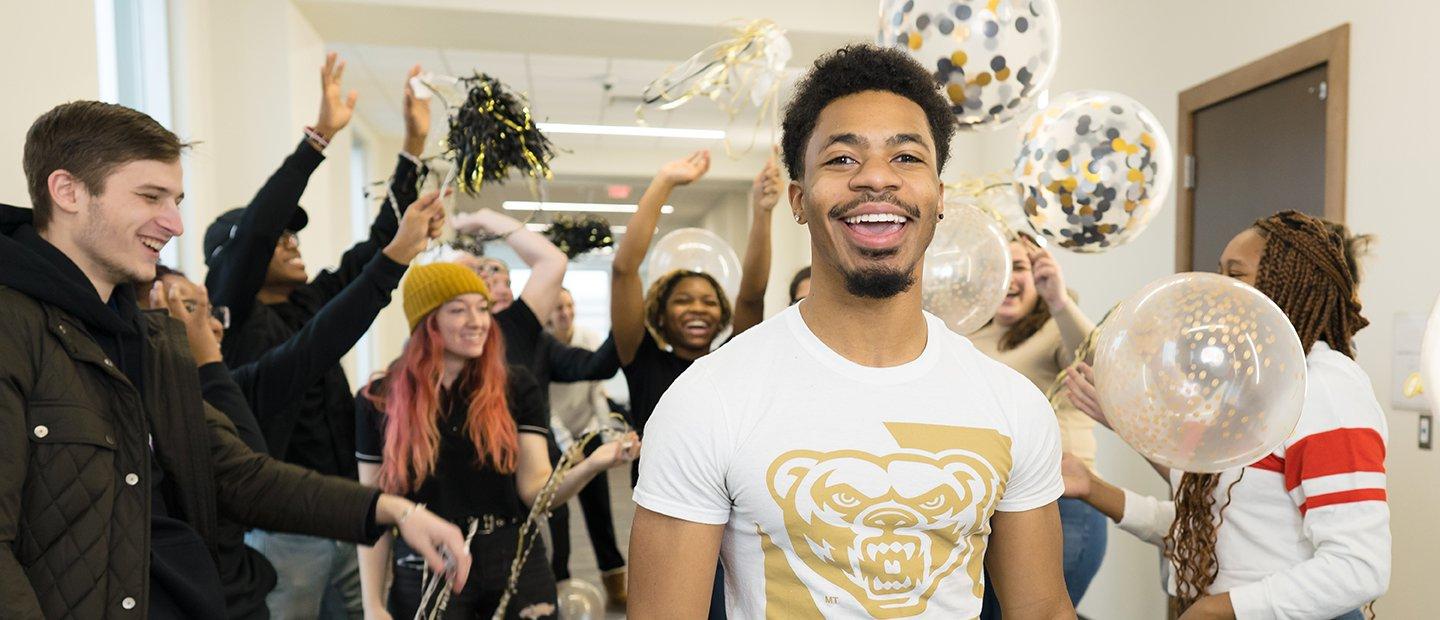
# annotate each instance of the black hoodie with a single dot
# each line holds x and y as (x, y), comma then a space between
(183, 579)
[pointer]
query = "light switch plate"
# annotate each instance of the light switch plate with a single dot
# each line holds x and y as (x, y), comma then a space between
(1425, 430)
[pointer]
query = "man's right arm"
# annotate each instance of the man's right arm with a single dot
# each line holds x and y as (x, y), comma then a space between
(682, 501)
(672, 566)
(17, 374)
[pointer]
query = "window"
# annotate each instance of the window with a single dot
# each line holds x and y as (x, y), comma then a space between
(360, 217)
(133, 44)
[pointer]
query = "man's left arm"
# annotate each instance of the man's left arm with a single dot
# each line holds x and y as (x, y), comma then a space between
(1023, 564)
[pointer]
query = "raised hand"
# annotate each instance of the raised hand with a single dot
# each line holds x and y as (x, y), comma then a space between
(685, 171)
(417, 117)
(201, 330)
(424, 219)
(1049, 279)
(765, 189)
(336, 108)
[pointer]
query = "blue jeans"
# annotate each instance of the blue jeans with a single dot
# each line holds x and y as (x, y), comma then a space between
(1085, 540)
(315, 577)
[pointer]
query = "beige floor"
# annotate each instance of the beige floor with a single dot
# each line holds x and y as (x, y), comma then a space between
(582, 555)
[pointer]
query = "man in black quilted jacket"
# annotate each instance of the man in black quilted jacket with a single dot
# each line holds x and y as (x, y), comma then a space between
(113, 471)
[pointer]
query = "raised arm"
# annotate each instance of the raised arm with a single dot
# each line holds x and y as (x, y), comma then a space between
(237, 271)
(1023, 560)
(1050, 284)
(755, 272)
(403, 188)
(283, 373)
(627, 295)
(547, 263)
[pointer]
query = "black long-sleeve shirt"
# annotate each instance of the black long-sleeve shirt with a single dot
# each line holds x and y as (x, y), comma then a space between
(527, 344)
(316, 429)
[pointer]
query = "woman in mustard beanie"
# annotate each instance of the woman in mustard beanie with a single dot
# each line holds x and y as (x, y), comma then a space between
(451, 426)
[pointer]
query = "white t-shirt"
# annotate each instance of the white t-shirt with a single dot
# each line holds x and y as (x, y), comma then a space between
(848, 490)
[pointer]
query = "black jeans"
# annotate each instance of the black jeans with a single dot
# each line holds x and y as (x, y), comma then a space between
(489, 572)
(599, 523)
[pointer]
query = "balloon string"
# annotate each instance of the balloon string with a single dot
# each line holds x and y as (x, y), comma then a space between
(1086, 348)
(710, 71)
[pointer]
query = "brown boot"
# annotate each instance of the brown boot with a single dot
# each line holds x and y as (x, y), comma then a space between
(615, 587)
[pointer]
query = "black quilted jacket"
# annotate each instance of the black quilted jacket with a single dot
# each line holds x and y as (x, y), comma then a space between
(75, 459)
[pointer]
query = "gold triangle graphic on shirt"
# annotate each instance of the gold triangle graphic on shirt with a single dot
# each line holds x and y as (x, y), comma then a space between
(785, 595)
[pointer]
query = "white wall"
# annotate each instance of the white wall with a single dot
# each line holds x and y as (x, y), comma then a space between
(49, 50)
(1152, 51)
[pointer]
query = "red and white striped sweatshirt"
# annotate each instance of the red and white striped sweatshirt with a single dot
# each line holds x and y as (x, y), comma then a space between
(1307, 531)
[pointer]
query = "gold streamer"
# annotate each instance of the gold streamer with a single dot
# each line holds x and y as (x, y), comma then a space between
(727, 73)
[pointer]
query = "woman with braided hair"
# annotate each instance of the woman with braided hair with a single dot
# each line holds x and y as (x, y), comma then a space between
(1305, 531)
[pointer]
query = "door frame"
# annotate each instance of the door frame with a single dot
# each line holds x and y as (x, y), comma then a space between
(1331, 48)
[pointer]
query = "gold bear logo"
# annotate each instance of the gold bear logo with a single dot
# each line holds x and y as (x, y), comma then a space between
(887, 529)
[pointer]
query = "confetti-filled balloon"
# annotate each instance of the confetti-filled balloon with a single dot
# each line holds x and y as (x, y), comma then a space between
(695, 249)
(967, 268)
(1200, 372)
(1093, 169)
(1430, 358)
(579, 600)
(990, 57)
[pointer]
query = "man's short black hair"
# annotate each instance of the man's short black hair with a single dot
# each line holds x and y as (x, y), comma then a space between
(855, 69)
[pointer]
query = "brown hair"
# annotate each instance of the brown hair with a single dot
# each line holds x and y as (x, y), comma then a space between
(1031, 323)
(89, 139)
(661, 289)
(1310, 270)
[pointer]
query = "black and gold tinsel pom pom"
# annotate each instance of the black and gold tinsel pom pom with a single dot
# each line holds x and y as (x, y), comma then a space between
(578, 235)
(492, 133)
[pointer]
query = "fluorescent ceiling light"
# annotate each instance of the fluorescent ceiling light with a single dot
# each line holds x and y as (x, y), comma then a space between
(591, 207)
(633, 130)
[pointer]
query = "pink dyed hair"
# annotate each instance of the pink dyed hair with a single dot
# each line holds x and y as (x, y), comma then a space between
(409, 395)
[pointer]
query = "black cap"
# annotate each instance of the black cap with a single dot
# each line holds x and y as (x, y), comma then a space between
(222, 230)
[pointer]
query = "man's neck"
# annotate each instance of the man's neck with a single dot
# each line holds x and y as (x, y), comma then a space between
(103, 286)
(565, 336)
(871, 332)
(274, 293)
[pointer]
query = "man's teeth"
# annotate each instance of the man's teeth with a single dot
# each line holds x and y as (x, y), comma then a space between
(153, 244)
(891, 218)
(697, 325)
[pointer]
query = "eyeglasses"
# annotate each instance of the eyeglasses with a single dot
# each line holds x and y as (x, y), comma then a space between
(219, 313)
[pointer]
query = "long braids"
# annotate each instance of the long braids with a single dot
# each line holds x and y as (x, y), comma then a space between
(1310, 270)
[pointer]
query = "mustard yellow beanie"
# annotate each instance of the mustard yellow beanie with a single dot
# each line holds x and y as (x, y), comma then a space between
(427, 287)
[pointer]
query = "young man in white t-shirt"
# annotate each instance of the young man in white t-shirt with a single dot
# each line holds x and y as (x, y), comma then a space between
(851, 456)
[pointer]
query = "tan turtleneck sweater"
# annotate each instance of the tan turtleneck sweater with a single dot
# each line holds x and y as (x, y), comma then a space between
(1040, 358)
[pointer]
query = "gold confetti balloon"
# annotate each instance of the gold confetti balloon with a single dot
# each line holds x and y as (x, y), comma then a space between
(1093, 169)
(695, 249)
(967, 268)
(1201, 373)
(991, 58)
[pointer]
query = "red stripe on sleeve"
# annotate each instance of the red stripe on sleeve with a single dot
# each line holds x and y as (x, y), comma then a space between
(1338, 451)
(1342, 497)
(1271, 463)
